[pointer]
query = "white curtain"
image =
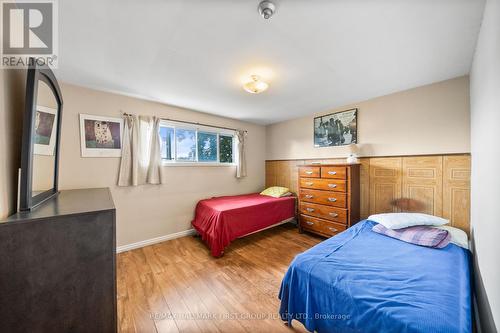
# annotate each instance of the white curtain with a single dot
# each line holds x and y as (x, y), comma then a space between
(241, 166)
(141, 156)
(154, 168)
(126, 162)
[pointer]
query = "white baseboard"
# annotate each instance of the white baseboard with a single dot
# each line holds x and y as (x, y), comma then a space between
(155, 240)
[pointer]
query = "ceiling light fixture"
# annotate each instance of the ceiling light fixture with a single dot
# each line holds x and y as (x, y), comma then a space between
(255, 85)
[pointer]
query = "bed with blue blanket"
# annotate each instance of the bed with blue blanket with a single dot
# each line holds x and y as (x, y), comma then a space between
(362, 281)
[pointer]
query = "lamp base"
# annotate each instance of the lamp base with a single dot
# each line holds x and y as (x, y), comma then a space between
(352, 159)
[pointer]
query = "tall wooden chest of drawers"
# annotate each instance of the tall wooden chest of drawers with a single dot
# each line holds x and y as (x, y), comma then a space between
(328, 197)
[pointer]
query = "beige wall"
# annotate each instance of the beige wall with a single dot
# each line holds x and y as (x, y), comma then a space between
(485, 135)
(12, 94)
(150, 211)
(432, 119)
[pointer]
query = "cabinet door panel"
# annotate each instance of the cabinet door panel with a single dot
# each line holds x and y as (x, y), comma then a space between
(456, 194)
(422, 185)
(385, 184)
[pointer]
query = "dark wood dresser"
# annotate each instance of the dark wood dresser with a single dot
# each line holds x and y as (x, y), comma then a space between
(328, 197)
(57, 265)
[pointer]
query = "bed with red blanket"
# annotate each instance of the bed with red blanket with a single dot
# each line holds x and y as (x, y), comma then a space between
(221, 220)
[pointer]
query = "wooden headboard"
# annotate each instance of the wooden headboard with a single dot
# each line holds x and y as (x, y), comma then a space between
(431, 184)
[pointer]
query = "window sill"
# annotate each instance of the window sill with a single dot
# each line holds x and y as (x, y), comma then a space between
(197, 164)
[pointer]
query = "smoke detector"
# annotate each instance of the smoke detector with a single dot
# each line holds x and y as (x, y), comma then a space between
(266, 9)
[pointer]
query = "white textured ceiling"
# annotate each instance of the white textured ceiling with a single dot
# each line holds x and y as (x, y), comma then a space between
(316, 54)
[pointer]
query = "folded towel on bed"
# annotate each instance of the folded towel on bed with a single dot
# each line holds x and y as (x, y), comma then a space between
(418, 235)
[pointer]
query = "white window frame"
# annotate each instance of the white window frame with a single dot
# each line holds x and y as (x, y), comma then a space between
(198, 128)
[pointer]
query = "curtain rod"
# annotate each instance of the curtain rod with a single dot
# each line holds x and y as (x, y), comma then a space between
(192, 123)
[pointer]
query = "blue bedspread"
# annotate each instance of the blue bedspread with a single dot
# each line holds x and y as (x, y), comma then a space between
(361, 281)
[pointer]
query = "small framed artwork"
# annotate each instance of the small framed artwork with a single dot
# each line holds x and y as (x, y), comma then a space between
(45, 130)
(336, 129)
(101, 136)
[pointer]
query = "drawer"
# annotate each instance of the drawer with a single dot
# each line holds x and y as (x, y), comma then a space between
(330, 198)
(321, 226)
(334, 172)
(312, 172)
(325, 212)
(323, 184)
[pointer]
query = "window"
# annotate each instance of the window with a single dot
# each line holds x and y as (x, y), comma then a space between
(226, 148)
(185, 141)
(167, 138)
(207, 147)
(190, 144)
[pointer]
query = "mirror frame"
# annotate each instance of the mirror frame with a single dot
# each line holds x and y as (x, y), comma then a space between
(37, 73)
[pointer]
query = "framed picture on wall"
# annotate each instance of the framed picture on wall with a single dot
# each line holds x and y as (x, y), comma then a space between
(45, 130)
(336, 129)
(101, 136)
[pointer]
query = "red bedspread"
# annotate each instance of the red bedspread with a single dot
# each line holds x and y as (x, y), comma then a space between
(221, 220)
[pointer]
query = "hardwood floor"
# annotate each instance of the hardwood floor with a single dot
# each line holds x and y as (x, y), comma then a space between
(176, 286)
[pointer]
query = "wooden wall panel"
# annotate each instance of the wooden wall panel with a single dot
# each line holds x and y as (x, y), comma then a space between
(423, 185)
(283, 173)
(293, 168)
(456, 196)
(437, 185)
(385, 184)
(364, 184)
(271, 173)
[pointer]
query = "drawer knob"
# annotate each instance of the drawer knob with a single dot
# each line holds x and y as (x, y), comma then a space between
(332, 185)
(309, 172)
(310, 209)
(332, 229)
(309, 183)
(332, 199)
(309, 223)
(334, 214)
(332, 172)
(308, 196)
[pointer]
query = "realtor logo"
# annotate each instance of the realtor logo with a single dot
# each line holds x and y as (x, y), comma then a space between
(28, 30)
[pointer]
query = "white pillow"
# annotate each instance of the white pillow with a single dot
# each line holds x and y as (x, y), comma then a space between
(458, 237)
(403, 220)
